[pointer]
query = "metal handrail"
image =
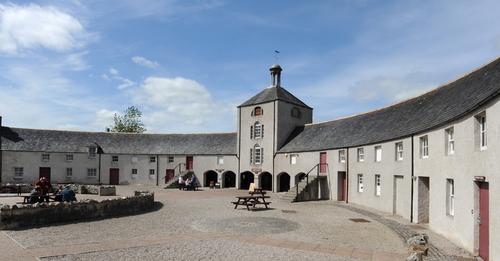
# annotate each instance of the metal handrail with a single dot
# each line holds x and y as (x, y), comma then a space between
(317, 167)
(177, 166)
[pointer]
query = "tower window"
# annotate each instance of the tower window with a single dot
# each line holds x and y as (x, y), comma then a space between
(258, 130)
(296, 112)
(258, 154)
(257, 111)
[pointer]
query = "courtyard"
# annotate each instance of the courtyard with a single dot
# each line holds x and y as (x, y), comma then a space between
(203, 225)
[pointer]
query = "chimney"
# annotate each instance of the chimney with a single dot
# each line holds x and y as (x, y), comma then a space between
(275, 75)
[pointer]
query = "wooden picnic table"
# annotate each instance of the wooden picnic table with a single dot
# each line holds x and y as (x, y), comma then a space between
(252, 201)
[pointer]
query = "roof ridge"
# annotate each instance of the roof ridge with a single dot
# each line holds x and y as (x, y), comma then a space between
(407, 100)
(118, 133)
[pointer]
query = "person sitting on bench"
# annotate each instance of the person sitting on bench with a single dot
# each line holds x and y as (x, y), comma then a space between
(58, 194)
(189, 183)
(34, 196)
(68, 195)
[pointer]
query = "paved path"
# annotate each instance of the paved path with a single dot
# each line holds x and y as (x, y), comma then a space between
(193, 226)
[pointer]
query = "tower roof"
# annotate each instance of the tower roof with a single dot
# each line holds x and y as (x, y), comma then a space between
(276, 93)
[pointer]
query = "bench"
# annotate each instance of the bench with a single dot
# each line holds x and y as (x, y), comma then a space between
(251, 201)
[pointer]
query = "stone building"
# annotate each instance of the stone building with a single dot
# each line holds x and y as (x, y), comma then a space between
(431, 159)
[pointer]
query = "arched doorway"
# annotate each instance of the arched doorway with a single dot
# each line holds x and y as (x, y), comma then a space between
(210, 176)
(299, 177)
(266, 181)
(228, 179)
(245, 179)
(283, 182)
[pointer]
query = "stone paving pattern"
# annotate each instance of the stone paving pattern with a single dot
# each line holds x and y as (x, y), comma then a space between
(203, 225)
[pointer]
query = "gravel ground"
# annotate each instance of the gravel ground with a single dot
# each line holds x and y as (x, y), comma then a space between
(203, 225)
(201, 250)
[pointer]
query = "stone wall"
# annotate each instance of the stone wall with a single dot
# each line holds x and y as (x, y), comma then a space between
(18, 216)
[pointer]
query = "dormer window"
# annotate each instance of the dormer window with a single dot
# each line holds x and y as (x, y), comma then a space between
(257, 111)
(296, 113)
(92, 152)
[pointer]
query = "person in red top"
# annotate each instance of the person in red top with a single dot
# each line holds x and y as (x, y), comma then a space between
(44, 186)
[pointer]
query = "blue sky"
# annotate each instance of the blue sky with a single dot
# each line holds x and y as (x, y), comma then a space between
(188, 64)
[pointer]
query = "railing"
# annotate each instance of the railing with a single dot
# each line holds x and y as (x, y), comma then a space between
(306, 177)
(178, 166)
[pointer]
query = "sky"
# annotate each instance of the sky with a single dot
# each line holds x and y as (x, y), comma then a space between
(187, 65)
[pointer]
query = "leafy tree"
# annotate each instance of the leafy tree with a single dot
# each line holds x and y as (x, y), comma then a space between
(129, 122)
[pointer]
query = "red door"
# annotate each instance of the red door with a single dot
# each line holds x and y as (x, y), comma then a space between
(114, 176)
(341, 186)
(322, 162)
(189, 162)
(484, 217)
(45, 172)
(169, 175)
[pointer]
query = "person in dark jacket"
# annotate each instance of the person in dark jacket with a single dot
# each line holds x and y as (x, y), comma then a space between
(68, 195)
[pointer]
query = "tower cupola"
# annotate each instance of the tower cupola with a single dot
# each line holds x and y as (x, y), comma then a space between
(275, 75)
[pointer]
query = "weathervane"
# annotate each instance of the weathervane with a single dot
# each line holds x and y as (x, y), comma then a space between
(276, 55)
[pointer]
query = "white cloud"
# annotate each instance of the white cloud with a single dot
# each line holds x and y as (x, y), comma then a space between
(76, 61)
(178, 103)
(113, 71)
(144, 62)
(104, 118)
(24, 27)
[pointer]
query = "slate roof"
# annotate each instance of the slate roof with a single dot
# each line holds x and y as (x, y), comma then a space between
(431, 110)
(16, 139)
(273, 94)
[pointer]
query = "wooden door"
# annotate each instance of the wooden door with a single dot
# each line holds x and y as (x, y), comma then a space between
(189, 162)
(484, 221)
(341, 189)
(322, 162)
(169, 174)
(45, 172)
(114, 176)
(423, 199)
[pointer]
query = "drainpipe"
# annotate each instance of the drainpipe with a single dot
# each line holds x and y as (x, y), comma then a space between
(157, 170)
(412, 175)
(347, 178)
(99, 180)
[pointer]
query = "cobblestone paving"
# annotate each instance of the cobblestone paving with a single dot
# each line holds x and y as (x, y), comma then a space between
(203, 225)
(405, 232)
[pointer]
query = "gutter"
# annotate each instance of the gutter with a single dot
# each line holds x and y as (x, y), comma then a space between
(1, 152)
(347, 178)
(157, 169)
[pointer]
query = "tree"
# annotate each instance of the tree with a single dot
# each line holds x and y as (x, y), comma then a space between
(129, 122)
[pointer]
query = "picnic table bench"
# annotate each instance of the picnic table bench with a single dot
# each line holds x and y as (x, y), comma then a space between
(252, 201)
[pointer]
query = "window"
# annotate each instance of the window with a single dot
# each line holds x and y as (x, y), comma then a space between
(91, 173)
(450, 141)
(399, 151)
(360, 183)
(257, 111)
(152, 159)
(483, 138)
(296, 113)
(170, 159)
(258, 154)
(220, 160)
(134, 173)
(378, 153)
(450, 197)
(293, 159)
(424, 147)
(45, 157)
(92, 152)
(151, 171)
(69, 157)
(114, 158)
(69, 172)
(361, 155)
(342, 156)
(377, 185)
(258, 130)
(18, 172)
